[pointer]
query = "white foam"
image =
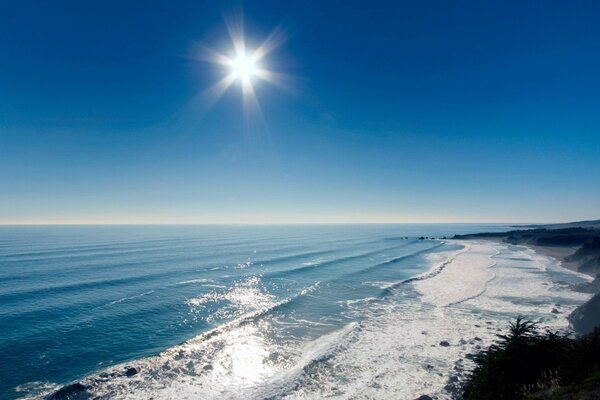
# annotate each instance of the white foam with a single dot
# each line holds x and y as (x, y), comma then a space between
(36, 389)
(465, 276)
(201, 280)
(472, 296)
(393, 351)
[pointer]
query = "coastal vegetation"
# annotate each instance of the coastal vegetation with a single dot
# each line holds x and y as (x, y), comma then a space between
(527, 363)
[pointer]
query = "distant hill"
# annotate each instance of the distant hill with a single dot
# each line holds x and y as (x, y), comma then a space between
(595, 224)
(563, 236)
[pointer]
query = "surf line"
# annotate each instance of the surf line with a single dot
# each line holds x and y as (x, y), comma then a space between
(437, 270)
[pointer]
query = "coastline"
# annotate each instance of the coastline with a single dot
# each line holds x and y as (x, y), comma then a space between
(583, 258)
(480, 270)
(467, 297)
(494, 282)
(557, 253)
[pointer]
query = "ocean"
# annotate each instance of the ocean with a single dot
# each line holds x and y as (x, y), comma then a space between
(261, 312)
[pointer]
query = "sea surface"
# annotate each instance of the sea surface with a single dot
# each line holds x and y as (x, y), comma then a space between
(243, 312)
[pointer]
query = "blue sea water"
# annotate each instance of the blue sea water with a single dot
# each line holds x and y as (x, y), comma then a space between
(79, 300)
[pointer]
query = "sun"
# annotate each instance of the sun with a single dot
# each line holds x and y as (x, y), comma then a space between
(243, 67)
(244, 63)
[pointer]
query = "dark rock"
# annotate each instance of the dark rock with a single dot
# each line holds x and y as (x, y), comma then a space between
(207, 367)
(424, 397)
(130, 372)
(75, 391)
(444, 343)
(555, 311)
(190, 366)
(477, 338)
(587, 316)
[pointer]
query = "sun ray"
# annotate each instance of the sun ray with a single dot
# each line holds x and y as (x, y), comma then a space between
(273, 41)
(277, 79)
(207, 54)
(213, 93)
(244, 65)
(235, 27)
(252, 109)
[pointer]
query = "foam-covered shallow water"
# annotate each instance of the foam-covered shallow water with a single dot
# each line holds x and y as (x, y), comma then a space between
(261, 312)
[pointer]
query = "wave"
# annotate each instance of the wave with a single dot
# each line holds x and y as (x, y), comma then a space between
(436, 270)
(403, 257)
(73, 287)
(312, 355)
(36, 389)
(310, 267)
(294, 256)
(130, 298)
(83, 249)
(190, 281)
(387, 286)
(392, 342)
(165, 363)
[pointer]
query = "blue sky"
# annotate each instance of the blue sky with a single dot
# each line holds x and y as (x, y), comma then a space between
(426, 111)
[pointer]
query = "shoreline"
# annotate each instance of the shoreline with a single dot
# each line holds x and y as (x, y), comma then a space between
(441, 332)
(574, 248)
(440, 336)
(494, 282)
(557, 253)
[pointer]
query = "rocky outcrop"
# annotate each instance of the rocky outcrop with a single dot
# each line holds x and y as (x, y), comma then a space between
(587, 316)
(587, 257)
(74, 391)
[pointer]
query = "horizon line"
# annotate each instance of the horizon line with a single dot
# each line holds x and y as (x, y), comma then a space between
(270, 223)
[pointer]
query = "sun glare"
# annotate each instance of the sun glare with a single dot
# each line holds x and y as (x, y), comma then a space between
(243, 67)
(246, 66)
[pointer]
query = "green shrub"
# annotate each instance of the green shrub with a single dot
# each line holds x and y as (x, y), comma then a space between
(526, 361)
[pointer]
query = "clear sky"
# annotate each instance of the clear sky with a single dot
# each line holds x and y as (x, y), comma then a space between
(399, 111)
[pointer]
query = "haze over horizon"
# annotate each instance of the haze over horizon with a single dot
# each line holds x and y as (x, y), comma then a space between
(428, 112)
(266, 221)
